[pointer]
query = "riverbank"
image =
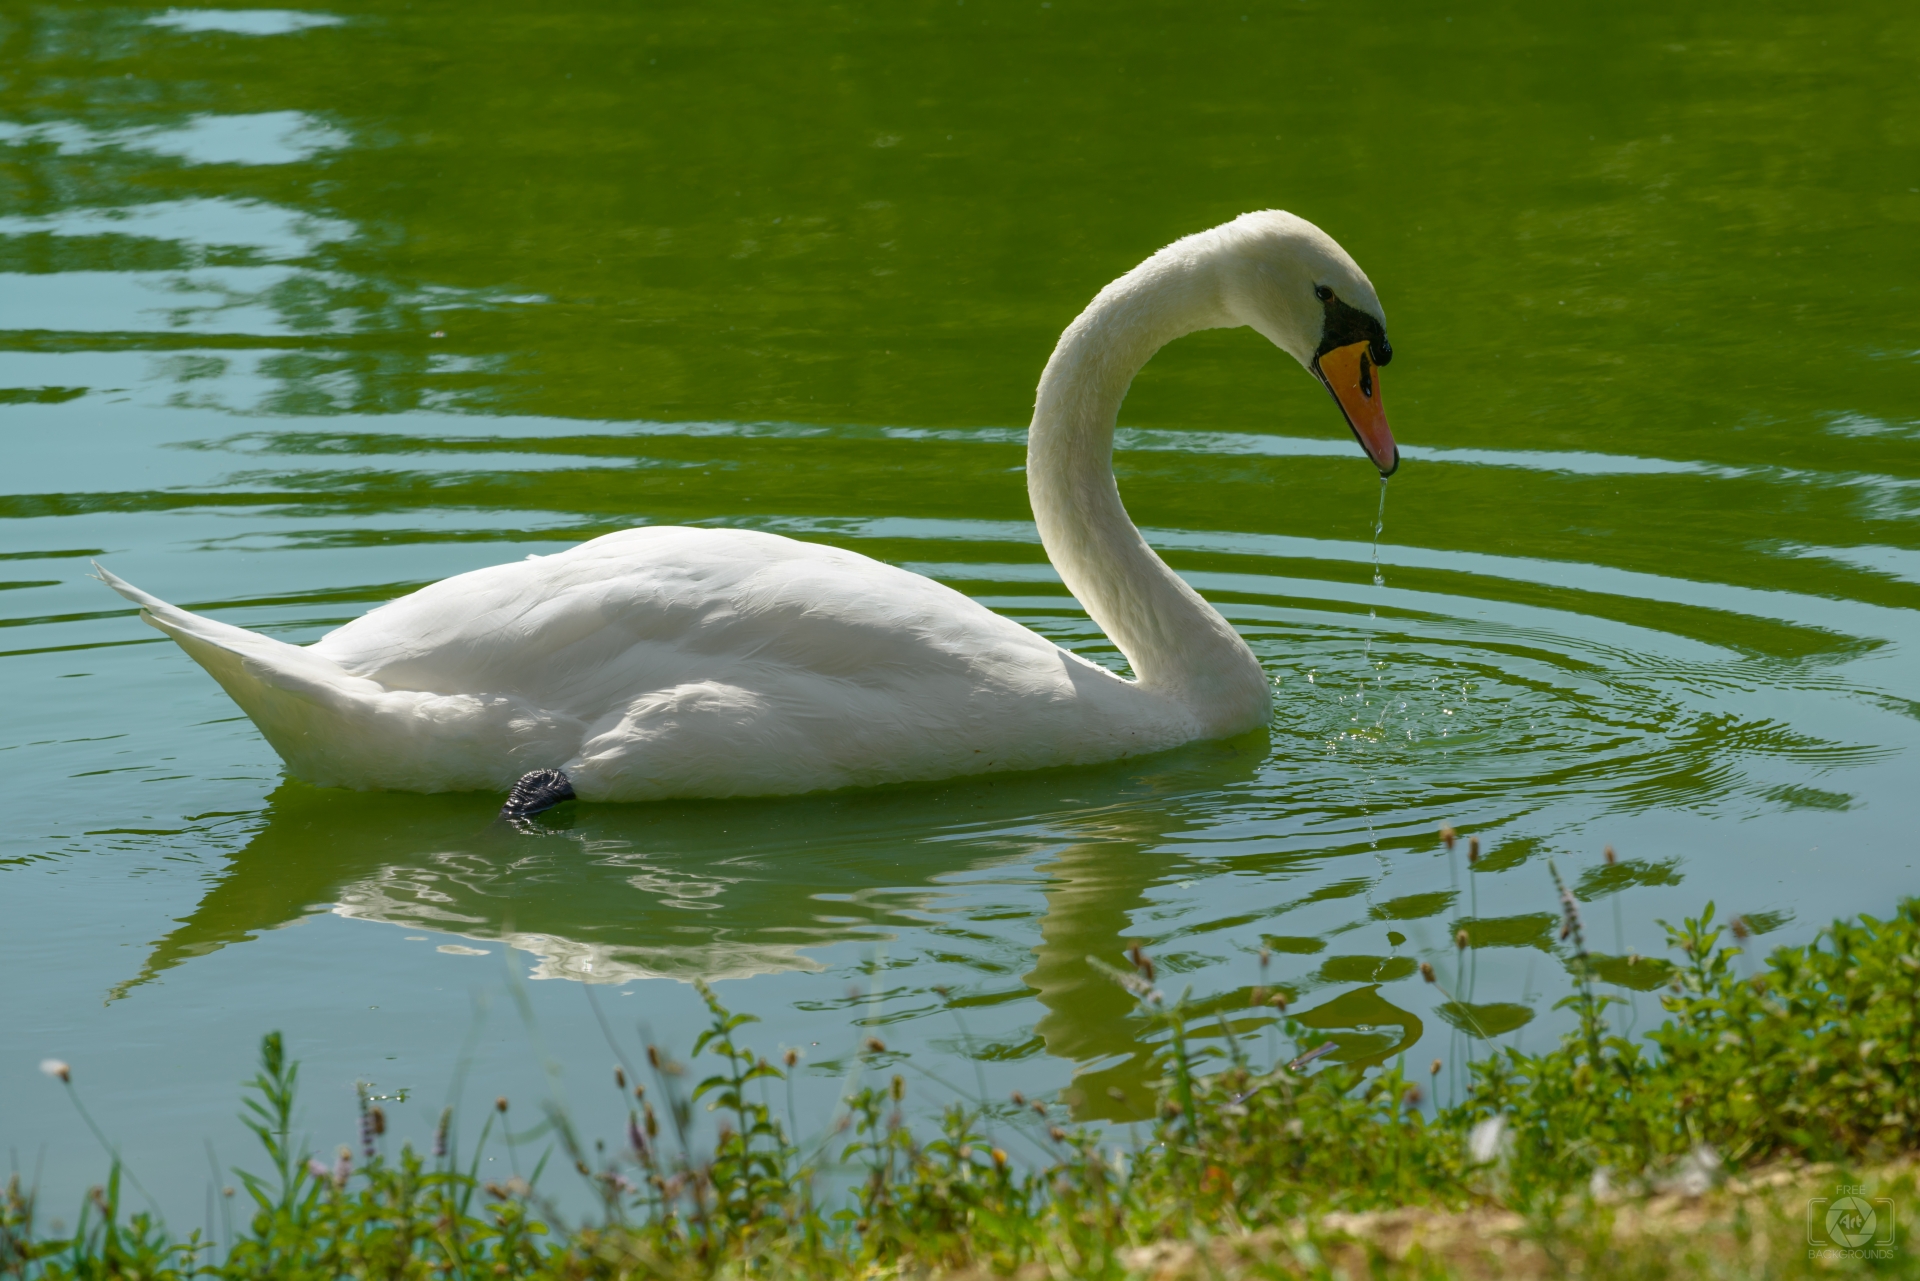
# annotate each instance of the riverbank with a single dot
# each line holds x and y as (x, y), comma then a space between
(1762, 1130)
(1754, 1226)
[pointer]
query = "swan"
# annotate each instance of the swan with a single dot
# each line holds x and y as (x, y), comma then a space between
(665, 662)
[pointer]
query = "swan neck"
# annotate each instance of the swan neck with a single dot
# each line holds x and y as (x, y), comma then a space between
(1178, 645)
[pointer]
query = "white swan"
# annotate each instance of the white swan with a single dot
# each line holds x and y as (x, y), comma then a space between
(664, 662)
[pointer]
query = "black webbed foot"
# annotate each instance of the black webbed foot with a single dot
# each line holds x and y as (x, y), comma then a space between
(541, 789)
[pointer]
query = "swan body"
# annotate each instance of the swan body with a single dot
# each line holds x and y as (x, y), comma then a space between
(678, 662)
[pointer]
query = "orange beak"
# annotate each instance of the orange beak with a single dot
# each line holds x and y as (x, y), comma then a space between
(1354, 380)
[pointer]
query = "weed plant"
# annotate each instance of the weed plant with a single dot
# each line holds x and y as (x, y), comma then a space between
(1304, 1167)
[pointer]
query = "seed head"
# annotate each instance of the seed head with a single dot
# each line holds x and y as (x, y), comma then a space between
(1019, 1099)
(58, 1070)
(1612, 858)
(1141, 961)
(874, 1045)
(1449, 836)
(500, 1104)
(1473, 850)
(1740, 927)
(898, 1087)
(378, 1116)
(620, 1080)
(790, 1058)
(1279, 1001)
(1426, 971)
(1460, 939)
(1435, 1069)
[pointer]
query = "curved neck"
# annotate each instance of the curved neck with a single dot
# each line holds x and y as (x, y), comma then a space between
(1178, 644)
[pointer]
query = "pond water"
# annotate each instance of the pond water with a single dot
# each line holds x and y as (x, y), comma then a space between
(303, 308)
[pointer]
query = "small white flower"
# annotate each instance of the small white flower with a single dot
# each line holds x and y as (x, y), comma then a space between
(57, 1069)
(1488, 1141)
(1696, 1174)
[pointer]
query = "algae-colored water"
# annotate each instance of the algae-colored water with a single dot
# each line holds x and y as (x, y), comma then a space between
(302, 308)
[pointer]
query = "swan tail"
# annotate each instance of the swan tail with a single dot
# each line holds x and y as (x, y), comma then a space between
(336, 729)
(235, 655)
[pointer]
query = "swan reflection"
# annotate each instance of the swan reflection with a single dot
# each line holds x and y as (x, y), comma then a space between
(705, 889)
(722, 890)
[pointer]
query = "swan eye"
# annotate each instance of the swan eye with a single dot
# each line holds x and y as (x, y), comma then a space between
(1323, 293)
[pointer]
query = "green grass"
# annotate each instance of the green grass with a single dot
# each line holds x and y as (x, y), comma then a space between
(1694, 1152)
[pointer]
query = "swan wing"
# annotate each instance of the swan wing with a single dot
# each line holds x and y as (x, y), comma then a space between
(646, 609)
(718, 662)
(673, 662)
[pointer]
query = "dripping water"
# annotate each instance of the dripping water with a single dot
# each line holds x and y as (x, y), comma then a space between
(1369, 784)
(1379, 580)
(1379, 524)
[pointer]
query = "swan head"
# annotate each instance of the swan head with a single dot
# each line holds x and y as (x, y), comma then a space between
(1288, 280)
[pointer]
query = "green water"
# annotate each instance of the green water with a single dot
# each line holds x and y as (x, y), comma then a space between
(300, 310)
